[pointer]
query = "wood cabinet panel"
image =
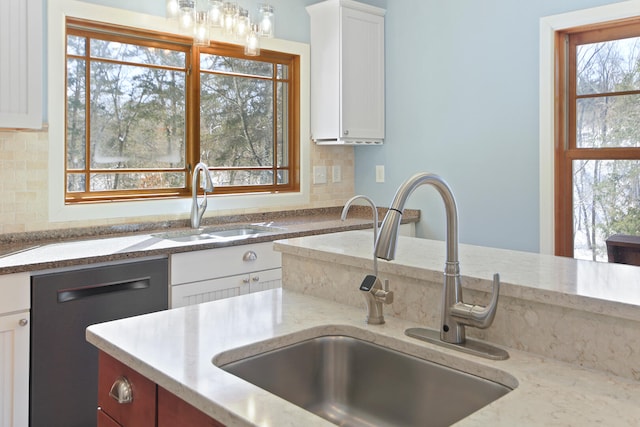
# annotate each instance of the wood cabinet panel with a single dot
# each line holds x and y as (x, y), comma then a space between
(105, 420)
(173, 411)
(141, 412)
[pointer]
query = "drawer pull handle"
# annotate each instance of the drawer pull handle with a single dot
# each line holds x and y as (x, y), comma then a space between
(121, 391)
(250, 256)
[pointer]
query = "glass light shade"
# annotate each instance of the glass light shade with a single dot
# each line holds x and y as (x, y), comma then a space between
(201, 29)
(172, 9)
(242, 24)
(267, 20)
(252, 42)
(230, 16)
(186, 15)
(215, 13)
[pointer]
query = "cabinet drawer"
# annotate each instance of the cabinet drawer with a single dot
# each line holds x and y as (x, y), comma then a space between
(141, 411)
(209, 290)
(207, 264)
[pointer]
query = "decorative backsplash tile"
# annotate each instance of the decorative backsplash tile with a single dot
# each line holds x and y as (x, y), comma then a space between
(24, 158)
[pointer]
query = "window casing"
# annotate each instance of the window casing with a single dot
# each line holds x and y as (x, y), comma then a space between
(597, 172)
(140, 135)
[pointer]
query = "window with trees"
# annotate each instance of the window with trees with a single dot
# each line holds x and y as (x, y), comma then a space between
(597, 155)
(143, 108)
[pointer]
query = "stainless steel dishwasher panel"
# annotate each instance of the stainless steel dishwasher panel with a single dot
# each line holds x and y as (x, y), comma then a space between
(64, 366)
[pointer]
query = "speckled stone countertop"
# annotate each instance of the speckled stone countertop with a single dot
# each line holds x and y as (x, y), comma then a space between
(62, 248)
(569, 327)
(179, 350)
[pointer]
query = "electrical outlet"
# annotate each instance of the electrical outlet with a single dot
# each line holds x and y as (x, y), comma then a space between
(379, 173)
(319, 174)
(336, 173)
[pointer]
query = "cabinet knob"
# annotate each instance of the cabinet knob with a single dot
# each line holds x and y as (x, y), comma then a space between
(250, 256)
(23, 322)
(121, 391)
(345, 132)
(256, 278)
(245, 280)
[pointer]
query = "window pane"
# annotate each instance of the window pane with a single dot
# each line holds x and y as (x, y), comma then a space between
(606, 201)
(76, 114)
(283, 125)
(137, 54)
(136, 181)
(608, 121)
(137, 117)
(228, 64)
(236, 121)
(240, 177)
(283, 71)
(76, 45)
(283, 177)
(76, 183)
(608, 66)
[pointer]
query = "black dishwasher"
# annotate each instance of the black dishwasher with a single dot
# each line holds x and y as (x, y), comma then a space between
(64, 366)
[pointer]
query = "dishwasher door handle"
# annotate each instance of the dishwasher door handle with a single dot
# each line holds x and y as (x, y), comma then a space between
(72, 294)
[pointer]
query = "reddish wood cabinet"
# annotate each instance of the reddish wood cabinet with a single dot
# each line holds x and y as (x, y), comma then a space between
(149, 405)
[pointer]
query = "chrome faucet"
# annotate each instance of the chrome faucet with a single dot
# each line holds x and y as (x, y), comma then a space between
(455, 313)
(374, 294)
(197, 210)
(345, 210)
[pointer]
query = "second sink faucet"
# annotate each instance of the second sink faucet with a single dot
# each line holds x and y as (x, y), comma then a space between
(374, 293)
(197, 210)
(455, 313)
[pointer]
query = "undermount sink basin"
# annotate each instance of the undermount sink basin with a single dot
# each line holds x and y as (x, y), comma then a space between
(351, 382)
(217, 233)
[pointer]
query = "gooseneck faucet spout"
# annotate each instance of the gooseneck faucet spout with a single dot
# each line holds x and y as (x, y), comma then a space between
(371, 287)
(197, 210)
(455, 313)
(345, 210)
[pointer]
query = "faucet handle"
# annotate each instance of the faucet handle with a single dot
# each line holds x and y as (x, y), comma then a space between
(477, 315)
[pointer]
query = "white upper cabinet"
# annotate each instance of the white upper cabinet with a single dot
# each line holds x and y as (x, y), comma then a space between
(347, 72)
(21, 64)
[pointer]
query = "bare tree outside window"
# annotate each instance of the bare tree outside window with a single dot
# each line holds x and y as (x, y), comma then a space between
(603, 150)
(131, 117)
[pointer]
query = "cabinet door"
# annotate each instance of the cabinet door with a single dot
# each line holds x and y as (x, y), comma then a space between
(362, 85)
(264, 280)
(21, 64)
(14, 369)
(173, 411)
(141, 411)
(105, 420)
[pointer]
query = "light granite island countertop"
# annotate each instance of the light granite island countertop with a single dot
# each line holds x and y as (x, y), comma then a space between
(564, 384)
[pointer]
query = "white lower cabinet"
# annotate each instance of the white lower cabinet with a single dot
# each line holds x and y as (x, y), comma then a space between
(14, 349)
(213, 274)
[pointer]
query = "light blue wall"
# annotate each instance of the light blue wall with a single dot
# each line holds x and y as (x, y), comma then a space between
(292, 20)
(462, 102)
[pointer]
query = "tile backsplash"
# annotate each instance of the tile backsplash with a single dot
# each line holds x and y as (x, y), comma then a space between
(24, 158)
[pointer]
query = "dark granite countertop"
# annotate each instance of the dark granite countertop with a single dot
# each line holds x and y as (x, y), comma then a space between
(78, 246)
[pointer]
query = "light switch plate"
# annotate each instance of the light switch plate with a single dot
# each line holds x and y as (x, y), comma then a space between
(336, 173)
(379, 173)
(319, 174)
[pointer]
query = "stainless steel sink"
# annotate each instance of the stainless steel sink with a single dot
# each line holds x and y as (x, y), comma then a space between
(217, 233)
(351, 382)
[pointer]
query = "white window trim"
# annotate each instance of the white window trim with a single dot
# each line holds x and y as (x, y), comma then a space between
(59, 211)
(549, 25)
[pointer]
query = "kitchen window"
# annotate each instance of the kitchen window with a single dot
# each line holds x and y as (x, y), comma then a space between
(597, 154)
(142, 108)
